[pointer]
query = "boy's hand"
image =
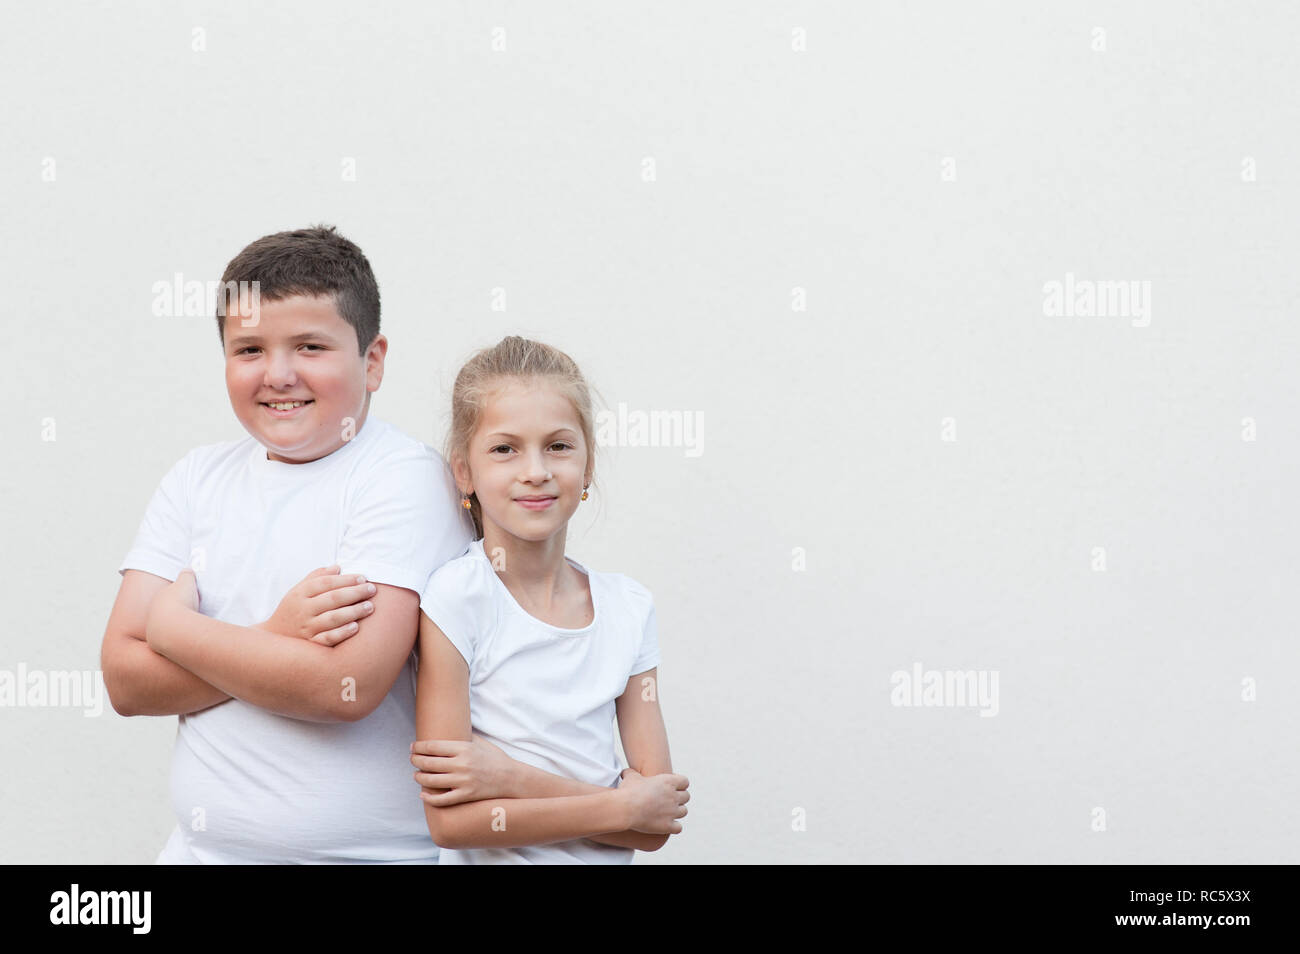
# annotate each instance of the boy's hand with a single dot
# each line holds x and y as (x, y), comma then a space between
(184, 590)
(182, 593)
(655, 803)
(452, 771)
(324, 607)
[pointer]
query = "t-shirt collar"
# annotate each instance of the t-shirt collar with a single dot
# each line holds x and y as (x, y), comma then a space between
(278, 469)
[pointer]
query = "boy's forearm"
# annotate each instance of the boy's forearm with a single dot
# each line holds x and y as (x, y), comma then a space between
(278, 673)
(142, 682)
(512, 822)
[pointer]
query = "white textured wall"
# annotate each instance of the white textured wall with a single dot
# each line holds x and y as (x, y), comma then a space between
(1161, 151)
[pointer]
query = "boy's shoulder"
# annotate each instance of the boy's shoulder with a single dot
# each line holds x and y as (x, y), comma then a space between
(383, 447)
(390, 437)
(391, 465)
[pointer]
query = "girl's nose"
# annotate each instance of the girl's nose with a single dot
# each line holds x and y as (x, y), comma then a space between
(536, 471)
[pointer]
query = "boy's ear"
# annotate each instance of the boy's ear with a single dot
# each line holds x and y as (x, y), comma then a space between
(375, 362)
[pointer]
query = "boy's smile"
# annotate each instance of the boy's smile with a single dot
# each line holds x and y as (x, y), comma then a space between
(296, 381)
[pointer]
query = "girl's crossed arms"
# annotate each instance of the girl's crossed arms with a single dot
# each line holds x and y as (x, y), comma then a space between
(461, 773)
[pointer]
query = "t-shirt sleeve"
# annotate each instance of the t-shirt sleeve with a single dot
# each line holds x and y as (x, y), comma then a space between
(402, 523)
(162, 543)
(644, 608)
(457, 603)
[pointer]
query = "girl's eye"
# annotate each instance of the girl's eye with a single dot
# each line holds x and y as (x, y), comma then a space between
(561, 445)
(499, 447)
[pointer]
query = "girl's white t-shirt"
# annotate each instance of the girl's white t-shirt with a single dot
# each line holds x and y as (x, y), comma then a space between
(545, 695)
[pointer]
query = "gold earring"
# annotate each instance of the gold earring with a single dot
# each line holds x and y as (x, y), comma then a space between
(464, 502)
(584, 492)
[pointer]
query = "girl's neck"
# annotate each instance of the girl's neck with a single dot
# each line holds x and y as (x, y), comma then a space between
(536, 565)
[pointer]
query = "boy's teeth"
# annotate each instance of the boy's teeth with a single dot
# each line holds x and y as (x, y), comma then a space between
(287, 407)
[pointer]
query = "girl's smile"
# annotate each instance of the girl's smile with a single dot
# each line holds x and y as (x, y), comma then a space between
(535, 503)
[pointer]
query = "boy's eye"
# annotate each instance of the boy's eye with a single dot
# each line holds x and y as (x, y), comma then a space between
(255, 348)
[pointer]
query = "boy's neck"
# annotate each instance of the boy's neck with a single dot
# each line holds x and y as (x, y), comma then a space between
(356, 432)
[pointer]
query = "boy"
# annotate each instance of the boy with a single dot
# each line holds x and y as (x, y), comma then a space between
(289, 749)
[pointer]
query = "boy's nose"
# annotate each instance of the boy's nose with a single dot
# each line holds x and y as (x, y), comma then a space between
(279, 371)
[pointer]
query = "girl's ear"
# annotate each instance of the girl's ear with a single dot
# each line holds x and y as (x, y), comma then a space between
(460, 470)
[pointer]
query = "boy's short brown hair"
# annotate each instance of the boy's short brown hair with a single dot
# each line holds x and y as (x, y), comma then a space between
(316, 261)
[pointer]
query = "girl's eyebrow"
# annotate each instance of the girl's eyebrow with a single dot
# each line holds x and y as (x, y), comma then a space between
(515, 437)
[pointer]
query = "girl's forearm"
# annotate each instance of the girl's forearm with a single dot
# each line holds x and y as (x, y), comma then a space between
(534, 782)
(640, 840)
(512, 822)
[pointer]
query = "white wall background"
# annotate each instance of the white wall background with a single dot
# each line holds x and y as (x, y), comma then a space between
(776, 168)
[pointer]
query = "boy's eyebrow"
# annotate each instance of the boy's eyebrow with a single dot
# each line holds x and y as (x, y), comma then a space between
(254, 339)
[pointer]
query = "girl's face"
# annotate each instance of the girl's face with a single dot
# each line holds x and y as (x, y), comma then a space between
(527, 462)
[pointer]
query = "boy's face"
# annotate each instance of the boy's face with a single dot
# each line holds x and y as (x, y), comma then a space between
(528, 444)
(299, 350)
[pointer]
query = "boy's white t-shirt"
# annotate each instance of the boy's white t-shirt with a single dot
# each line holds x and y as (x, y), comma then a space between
(544, 694)
(248, 785)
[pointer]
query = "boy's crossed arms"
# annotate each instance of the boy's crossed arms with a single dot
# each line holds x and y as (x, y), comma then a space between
(161, 656)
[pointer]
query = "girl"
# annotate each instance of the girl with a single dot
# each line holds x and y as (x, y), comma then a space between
(532, 650)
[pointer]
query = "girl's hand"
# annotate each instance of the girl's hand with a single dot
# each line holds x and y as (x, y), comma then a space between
(324, 607)
(451, 771)
(656, 802)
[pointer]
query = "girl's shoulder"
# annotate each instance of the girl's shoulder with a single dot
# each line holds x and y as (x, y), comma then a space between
(628, 586)
(461, 574)
(632, 607)
(634, 598)
(459, 598)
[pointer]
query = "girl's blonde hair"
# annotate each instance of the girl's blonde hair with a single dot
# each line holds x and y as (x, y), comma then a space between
(487, 370)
